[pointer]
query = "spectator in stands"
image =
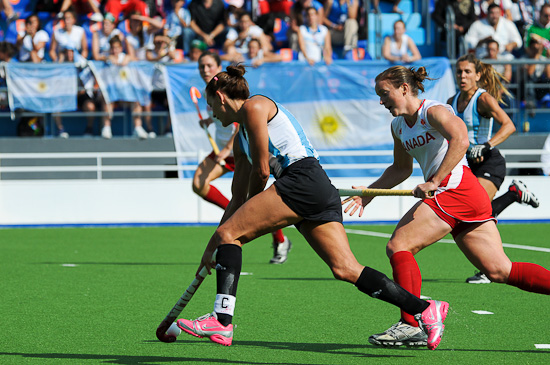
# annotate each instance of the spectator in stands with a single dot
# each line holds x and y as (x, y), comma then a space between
(541, 28)
(298, 17)
(504, 5)
(314, 40)
(496, 27)
(161, 52)
(341, 19)
(465, 15)
(256, 56)
(101, 47)
(537, 73)
(234, 10)
(7, 52)
(81, 7)
(127, 7)
(119, 58)
(197, 48)
(69, 37)
(493, 54)
(7, 9)
(236, 43)
(178, 26)
(399, 47)
(141, 35)
(32, 41)
(208, 21)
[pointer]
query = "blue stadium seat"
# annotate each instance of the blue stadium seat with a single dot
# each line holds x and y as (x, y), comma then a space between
(14, 28)
(23, 8)
(280, 30)
(405, 5)
(412, 21)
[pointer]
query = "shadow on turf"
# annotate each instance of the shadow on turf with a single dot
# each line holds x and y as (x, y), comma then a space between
(120, 263)
(323, 348)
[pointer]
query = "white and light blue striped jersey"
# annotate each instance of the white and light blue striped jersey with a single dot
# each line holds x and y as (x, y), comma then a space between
(288, 142)
(479, 127)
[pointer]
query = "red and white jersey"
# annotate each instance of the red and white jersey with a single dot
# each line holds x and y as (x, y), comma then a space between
(223, 134)
(426, 144)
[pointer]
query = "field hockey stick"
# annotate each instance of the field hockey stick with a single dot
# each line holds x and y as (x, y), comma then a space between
(376, 192)
(195, 96)
(180, 305)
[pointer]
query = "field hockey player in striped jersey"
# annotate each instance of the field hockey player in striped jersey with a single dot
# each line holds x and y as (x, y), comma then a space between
(453, 201)
(270, 140)
(210, 168)
(477, 104)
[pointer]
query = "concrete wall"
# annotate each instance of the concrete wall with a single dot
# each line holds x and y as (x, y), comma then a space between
(159, 201)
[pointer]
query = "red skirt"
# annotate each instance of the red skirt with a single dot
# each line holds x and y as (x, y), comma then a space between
(467, 203)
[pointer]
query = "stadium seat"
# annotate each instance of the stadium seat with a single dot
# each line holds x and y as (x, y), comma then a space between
(179, 56)
(357, 54)
(280, 29)
(287, 54)
(124, 27)
(13, 29)
(23, 8)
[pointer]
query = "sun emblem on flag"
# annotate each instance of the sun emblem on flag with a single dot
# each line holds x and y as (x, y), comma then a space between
(422, 121)
(42, 87)
(123, 74)
(332, 127)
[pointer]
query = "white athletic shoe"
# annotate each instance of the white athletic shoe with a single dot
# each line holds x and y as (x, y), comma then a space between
(478, 278)
(140, 133)
(106, 132)
(152, 135)
(280, 251)
(400, 334)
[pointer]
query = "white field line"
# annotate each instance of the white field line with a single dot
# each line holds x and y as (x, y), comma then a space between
(387, 235)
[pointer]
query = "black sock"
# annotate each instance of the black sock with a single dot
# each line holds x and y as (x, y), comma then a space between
(503, 202)
(378, 285)
(228, 269)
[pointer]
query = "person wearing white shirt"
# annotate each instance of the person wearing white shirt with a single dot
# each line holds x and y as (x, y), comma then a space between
(101, 47)
(314, 40)
(236, 41)
(32, 42)
(71, 37)
(496, 27)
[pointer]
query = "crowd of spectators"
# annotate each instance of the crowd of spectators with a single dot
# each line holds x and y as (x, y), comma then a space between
(504, 30)
(315, 31)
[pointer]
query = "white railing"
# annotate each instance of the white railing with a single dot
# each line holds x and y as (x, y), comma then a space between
(96, 161)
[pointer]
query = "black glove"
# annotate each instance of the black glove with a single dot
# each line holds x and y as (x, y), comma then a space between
(479, 150)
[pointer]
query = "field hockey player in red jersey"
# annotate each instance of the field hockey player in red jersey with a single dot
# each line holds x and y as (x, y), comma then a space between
(431, 133)
(270, 140)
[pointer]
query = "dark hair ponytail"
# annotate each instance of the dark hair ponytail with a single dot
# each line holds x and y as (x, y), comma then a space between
(231, 82)
(399, 75)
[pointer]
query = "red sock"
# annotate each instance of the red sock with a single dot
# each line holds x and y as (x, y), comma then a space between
(278, 236)
(407, 274)
(530, 277)
(215, 197)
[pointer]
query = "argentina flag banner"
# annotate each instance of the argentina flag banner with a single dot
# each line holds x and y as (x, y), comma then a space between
(336, 105)
(42, 88)
(132, 83)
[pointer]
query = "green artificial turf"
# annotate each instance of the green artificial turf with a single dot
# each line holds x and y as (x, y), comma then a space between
(96, 295)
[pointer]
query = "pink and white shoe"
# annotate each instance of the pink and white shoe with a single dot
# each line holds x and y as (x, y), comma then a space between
(431, 321)
(208, 326)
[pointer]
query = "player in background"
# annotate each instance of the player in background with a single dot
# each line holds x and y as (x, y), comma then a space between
(210, 169)
(477, 104)
(431, 133)
(270, 140)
